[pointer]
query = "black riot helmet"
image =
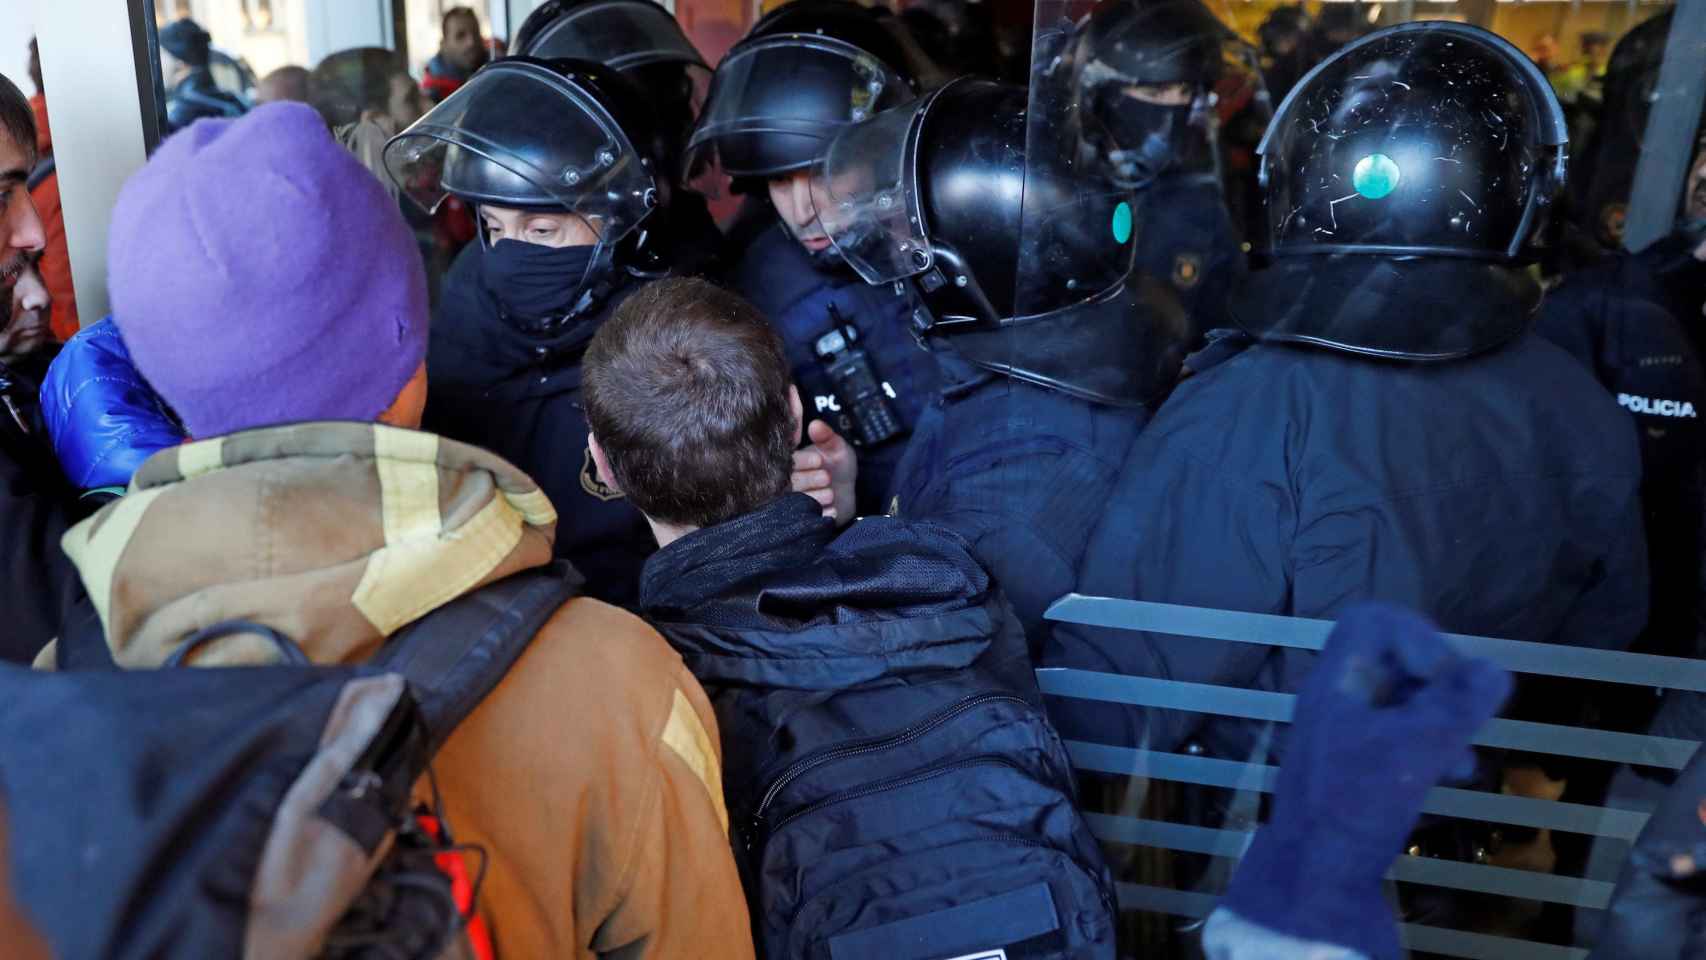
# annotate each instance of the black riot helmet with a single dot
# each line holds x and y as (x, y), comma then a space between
(530, 134)
(803, 73)
(1021, 259)
(622, 34)
(1407, 180)
(1127, 46)
(640, 39)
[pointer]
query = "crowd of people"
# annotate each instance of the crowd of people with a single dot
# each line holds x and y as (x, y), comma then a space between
(600, 575)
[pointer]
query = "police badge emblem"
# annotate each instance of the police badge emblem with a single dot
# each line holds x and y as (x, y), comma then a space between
(594, 486)
(1187, 270)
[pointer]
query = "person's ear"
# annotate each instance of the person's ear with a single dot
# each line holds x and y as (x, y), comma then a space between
(798, 411)
(606, 476)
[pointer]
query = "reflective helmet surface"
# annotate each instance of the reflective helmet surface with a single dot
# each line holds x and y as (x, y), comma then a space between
(804, 72)
(1419, 143)
(623, 34)
(1000, 241)
(1153, 42)
(534, 134)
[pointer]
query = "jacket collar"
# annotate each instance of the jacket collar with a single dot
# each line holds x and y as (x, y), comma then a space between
(780, 599)
(334, 534)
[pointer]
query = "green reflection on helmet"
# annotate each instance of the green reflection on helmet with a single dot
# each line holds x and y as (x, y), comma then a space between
(1375, 176)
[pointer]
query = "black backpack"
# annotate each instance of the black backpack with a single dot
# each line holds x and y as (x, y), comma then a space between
(921, 821)
(256, 812)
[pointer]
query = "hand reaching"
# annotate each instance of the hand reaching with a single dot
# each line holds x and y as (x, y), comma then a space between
(826, 471)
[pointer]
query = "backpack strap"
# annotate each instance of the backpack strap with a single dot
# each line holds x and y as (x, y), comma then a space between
(453, 657)
(82, 642)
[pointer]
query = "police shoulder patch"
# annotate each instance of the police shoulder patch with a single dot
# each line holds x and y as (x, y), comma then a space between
(594, 486)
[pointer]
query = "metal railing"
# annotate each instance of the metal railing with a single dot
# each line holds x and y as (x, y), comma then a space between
(1541, 659)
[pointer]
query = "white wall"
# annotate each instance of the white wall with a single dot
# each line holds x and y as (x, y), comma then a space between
(16, 28)
(93, 104)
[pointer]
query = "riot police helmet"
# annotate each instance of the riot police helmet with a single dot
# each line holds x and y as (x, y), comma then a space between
(622, 34)
(1144, 74)
(804, 72)
(1409, 174)
(1020, 258)
(548, 135)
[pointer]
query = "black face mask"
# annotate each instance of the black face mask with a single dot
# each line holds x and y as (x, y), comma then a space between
(1147, 139)
(535, 283)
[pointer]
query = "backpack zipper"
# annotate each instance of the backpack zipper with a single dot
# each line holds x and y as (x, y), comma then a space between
(805, 765)
(895, 783)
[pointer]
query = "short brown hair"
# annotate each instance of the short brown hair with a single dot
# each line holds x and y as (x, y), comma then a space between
(686, 388)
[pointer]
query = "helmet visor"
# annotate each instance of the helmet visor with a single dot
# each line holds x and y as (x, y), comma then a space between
(621, 35)
(776, 103)
(865, 199)
(519, 135)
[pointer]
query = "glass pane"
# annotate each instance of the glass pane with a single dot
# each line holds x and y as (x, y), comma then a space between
(1407, 203)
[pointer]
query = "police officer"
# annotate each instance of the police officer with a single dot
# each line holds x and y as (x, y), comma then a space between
(642, 41)
(1146, 76)
(1047, 345)
(1633, 319)
(548, 155)
(805, 72)
(192, 93)
(1387, 429)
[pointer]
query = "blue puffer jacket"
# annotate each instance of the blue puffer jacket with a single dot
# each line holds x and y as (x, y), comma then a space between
(1498, 495)
(104, 419)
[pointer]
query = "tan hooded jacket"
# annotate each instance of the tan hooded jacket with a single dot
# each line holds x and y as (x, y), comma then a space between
(592, 775)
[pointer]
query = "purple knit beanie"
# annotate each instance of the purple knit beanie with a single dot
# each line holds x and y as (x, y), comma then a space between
(260, 275)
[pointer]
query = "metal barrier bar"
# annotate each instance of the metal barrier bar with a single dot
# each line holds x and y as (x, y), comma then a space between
(1475, 877)
(1277, 707)
(1546, 659)
(1442, 801)
(1454, 943)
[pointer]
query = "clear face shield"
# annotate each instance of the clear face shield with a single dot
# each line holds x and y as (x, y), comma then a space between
(521, 136)
(866, 199)
(775, 104)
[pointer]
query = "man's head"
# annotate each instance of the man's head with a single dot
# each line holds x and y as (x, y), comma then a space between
(21, 234)
(184, 47)
(29, 329)
(285, 83)
(692, 410)
(365, 84)
(545, 228)
(790, 194)
(235, 281)
(1596, 47)
(462, 43)
(1694, 191)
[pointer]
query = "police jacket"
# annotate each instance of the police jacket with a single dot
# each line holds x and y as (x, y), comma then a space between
(777, 611)
(40, 585)
(1498, 495)
(1616, 320)
(777, 276)
(1020, 471)
(519, 395)
(1658, 911)
(1186, 235)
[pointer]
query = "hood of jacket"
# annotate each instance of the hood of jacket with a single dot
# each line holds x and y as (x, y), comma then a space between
(779, 598)
(334, 534)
